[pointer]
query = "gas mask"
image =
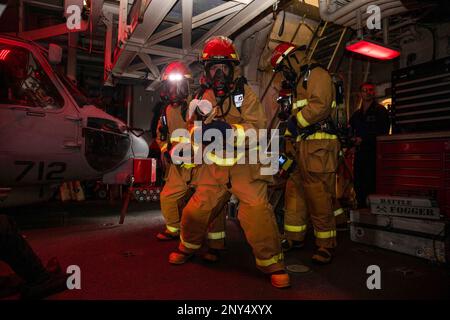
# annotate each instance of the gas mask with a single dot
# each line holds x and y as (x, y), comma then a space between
(219, 80)
(175, 92)
(285, 101)
(288, 73)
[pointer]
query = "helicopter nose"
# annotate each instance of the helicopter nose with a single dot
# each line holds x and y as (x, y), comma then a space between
(138, 147)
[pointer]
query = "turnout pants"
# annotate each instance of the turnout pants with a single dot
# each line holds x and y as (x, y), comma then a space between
(255, 213)
(173, 199)
(311, 192)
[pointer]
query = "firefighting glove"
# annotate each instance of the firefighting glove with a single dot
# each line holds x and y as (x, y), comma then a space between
(221, 126)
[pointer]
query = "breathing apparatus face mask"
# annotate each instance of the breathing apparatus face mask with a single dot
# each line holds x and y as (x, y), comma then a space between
(220, 76)
(175, 92)
(285, 101)
(288, 73)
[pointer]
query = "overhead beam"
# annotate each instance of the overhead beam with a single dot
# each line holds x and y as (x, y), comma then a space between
(96, 12)
(44, 5)
(137, 75)
(197, 21)
(154, 14)
(149, 64)
(199, 43)
(243, 1)
(251, 11)
(153, 86)
(187, 7)
(156, 62)
(131, 44)
(2, 8)
(108, 43)
(52, 31)
(122, 33)
(159, 50)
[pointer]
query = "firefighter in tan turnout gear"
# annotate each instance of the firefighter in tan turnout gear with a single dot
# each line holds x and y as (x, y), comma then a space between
(178, 176)
(310, 189)
(238, 109)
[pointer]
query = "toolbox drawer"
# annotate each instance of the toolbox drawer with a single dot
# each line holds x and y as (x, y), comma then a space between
(415, 164)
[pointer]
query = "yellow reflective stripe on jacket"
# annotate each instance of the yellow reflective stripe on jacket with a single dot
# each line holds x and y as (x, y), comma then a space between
(338, 212)
(301, 120)
(268, 262)
(216, 235)
(188, 165)
(180, 139)
(164, 147)
(295, 228)
(240, 134)
(300, 104)
(287, 133)
(172, 229)
(224, 162)
(319, 136)
(325, 234)
(333, 104)
(190, 245)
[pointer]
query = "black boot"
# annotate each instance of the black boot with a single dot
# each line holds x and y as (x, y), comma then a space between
(46, 286)
(18, 254)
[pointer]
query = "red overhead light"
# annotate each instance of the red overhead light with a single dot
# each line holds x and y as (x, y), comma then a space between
(372, 49)
(4, 53)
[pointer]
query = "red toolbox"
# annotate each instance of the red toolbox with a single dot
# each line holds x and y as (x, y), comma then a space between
(415, 164)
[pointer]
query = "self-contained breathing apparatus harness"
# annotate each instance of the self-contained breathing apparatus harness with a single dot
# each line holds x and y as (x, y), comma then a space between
(237, 92)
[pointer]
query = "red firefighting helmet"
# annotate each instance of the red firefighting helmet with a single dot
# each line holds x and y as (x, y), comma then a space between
(219, 48)
(280, 52)
(176, 71)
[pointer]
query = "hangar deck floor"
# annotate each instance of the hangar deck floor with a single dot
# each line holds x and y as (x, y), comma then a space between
(127, 262)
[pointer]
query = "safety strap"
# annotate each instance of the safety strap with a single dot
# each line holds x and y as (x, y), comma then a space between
(164, 124)
(304, 74)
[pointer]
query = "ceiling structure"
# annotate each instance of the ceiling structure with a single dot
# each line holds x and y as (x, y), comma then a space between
(152, 33)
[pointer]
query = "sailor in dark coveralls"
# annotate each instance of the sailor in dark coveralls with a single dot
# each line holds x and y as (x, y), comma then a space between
(368, 122)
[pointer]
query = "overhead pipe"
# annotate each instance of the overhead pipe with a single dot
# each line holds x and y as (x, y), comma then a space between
(349, 8)
(345, 15)
(398, 26)
(385, 13)
(350, 20)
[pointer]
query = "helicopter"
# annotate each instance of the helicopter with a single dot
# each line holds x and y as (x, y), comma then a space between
(49, 131)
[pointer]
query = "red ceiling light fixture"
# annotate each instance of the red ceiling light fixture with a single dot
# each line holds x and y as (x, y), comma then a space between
(4, 53)
(372, 49)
